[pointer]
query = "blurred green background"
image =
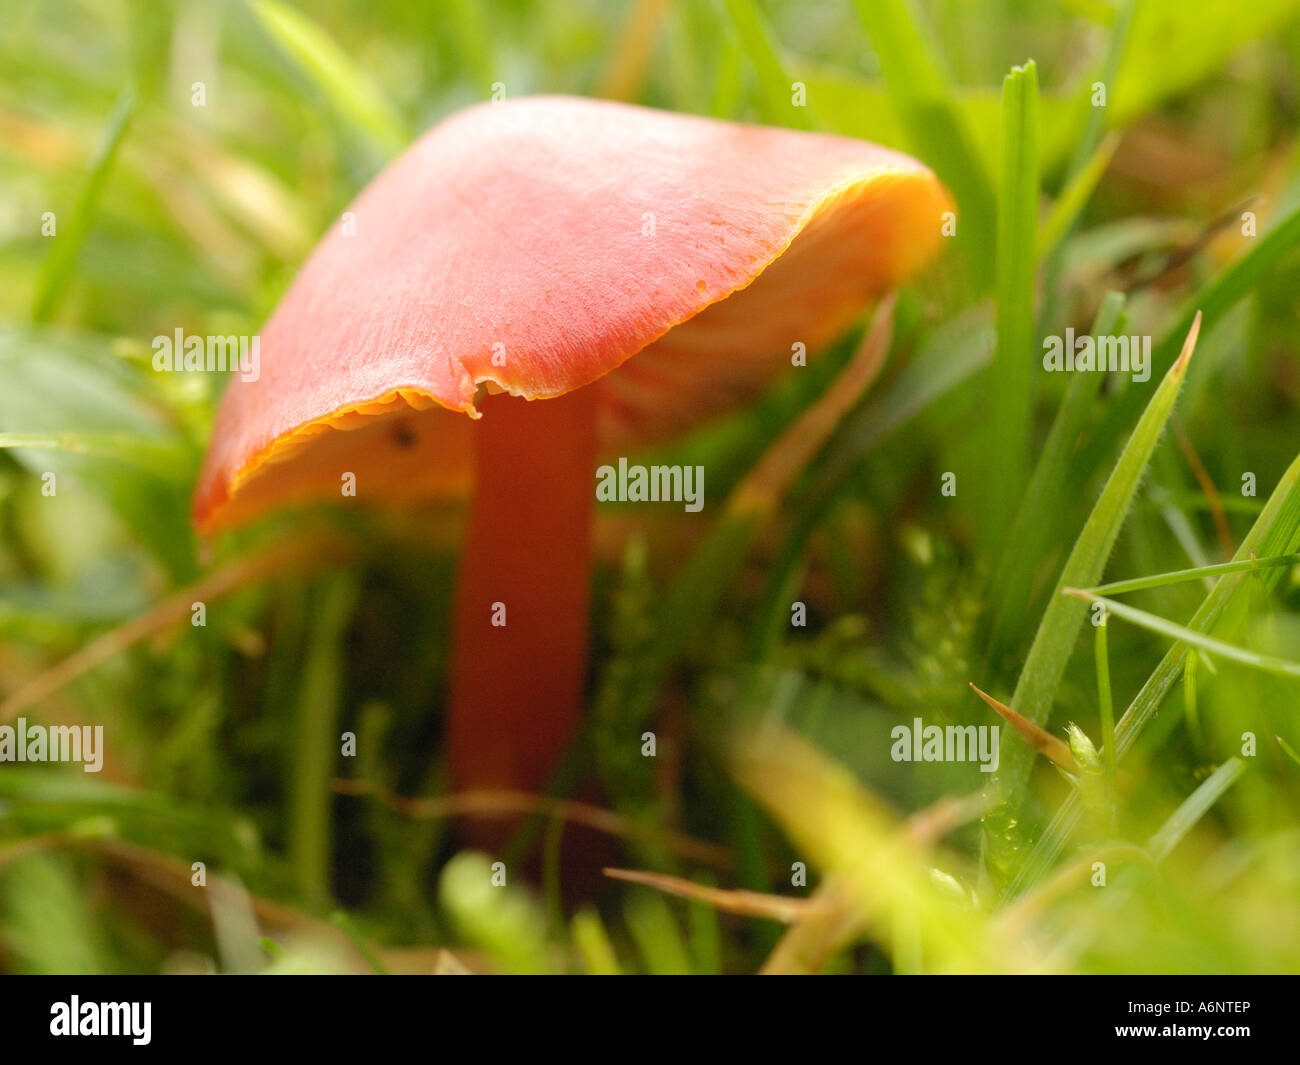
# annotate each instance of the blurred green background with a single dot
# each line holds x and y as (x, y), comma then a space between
(166, 164)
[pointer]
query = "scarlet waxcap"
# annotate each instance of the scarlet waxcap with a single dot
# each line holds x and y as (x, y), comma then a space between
(535, 246)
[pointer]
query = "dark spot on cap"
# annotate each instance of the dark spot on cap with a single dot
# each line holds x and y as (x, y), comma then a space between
(403, 435)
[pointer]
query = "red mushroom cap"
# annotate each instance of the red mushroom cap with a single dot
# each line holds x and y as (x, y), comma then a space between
(536, 246)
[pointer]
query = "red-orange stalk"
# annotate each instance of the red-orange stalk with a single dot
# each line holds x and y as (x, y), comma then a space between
(516, 688)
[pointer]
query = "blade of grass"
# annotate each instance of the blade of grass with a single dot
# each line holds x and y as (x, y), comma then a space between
(724, 100)
(768, 479)
(57, 270)
(690, 601)
(1190, 707)
(847, 833)
(1050, 747)
(1059, 629)
(1071, 202)
(1152, 623)
(344, 923)
(1221, 527)
(1011, 378)
(160, 456)
(1193, 808)
(1212, 303)
(1091, 156)
(954, 353)
(686, 67)
(343, 83)
(50, 923)
(503, 920)
(314, 751)
(655, 931)
(1276, 532)
(809, 944)
(1180, 525)
(495, 802)
(781, 908)
(474, 46)
(927, 107)
(1176, 43)
(592, 943)
(624, 76)
(272, 560)
(806, 946)
(1095, 124)
(1034, 525)
(1106, 707)
(1159, 580)
(776, 87)
(1288, 749)
(704, 938)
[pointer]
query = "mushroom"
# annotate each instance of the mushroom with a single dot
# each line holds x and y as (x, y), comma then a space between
(469, 326)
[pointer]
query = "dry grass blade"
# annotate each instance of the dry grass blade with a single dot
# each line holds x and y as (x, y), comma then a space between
(927, 826)
(1019, 918)
(843, 828)
(286, 556)
(1049, 746)
(1221, 527)
(766, 483)
(625, 76)
(728, 900)
(169, 876)
(810, 943)
(513, 803)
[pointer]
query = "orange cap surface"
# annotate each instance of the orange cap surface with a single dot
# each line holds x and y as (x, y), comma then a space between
(537, 246)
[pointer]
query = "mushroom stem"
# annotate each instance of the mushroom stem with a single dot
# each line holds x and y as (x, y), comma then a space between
(519, 636)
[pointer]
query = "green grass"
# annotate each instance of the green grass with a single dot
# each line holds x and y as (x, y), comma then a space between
(922, 95)
(774, 738)
(1011, 380)
(1058, 630)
